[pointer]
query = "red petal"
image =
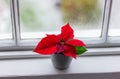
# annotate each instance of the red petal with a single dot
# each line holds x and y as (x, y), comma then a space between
(46, 51)
(76, 42)
(60, 48)
(47, 45)
(66, 32)
(70, 51)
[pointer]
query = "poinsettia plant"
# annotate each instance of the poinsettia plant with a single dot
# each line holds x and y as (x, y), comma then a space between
(63, 43)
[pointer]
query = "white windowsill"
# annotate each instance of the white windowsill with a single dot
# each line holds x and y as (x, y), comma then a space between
(44, 67)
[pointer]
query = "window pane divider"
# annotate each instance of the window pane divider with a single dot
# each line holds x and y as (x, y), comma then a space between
(15, 21)
(106, 19)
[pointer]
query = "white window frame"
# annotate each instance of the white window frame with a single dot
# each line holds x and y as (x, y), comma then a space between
(96, 46)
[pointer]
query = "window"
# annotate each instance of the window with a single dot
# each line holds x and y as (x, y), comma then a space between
(115, 18)
(47, 16)
(5, 20)
(24, 22)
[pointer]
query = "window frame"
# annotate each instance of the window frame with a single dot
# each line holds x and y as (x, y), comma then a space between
(18, 44)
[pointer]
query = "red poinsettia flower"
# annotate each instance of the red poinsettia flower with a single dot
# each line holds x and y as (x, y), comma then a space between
(61, 43)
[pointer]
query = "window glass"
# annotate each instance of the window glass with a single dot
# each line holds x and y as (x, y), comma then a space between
(114, 29)
(38, 17)
(5, 20)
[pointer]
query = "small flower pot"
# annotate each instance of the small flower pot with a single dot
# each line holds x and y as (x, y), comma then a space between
(60, 61)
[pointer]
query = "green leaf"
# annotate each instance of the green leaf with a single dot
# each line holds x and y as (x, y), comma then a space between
(80, 50)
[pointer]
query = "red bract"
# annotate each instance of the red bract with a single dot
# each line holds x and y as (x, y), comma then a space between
(62, 43)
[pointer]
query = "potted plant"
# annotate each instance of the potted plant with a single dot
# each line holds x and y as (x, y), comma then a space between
(63, 47)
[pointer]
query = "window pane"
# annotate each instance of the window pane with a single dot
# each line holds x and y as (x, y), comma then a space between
(115, 19)
(38, 17)
(5, 20)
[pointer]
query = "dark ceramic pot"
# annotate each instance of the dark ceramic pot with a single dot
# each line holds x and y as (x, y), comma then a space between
(60, 61)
